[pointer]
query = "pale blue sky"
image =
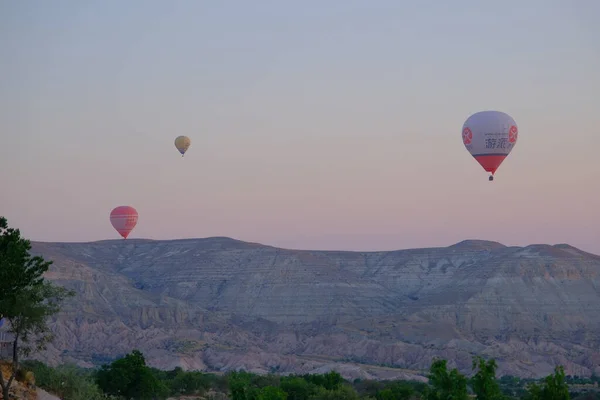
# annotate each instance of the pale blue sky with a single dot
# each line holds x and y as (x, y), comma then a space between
(314, 124)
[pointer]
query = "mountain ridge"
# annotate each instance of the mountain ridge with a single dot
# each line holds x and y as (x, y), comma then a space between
(470, 243)
(241, 241)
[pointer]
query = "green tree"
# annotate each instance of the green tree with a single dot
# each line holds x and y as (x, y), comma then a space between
(534, 392)
(187, 383)
(67, 381)
(131, 378)
(395, 391)
(484, 382)
(445, 385)
(553, 387)
(331, 380)
(342, 392)
(44, 375)
(19, 270)
(26, 298)
(72, 384)
(260, 381)
(368, 388)
(240, 386)
(272, 393)
(385, 394)
(297, 388)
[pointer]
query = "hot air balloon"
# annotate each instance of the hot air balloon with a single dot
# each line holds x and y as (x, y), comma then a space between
(182, 143)
(124, 219)
(490, 136)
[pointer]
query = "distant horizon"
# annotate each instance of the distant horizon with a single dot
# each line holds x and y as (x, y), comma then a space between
(311, 249)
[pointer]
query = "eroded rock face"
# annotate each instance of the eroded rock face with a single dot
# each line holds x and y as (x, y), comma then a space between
(223, 304)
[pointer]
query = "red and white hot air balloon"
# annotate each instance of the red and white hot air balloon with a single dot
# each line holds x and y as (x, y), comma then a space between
(490, 136)
(124, 219)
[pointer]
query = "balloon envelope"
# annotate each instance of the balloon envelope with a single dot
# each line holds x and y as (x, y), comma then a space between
(182, 143)
(490, 137)
(124, 219)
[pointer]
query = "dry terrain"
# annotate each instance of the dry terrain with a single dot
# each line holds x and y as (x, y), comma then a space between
(218, 304)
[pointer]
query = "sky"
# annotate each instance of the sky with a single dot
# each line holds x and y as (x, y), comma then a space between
(314, 124)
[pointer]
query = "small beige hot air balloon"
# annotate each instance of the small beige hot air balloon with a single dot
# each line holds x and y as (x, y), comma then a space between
(182, 143)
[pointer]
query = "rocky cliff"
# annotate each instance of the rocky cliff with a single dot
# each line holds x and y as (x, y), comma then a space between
(218, 303)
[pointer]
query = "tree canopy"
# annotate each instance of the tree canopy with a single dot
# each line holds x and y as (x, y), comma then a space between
(26, 298)
(446, 385)
(130, 378)
(484, 381)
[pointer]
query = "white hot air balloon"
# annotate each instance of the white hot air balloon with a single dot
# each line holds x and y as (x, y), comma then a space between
(490, 136)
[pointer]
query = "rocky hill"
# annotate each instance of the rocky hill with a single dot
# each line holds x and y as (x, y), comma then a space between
(219, 303)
